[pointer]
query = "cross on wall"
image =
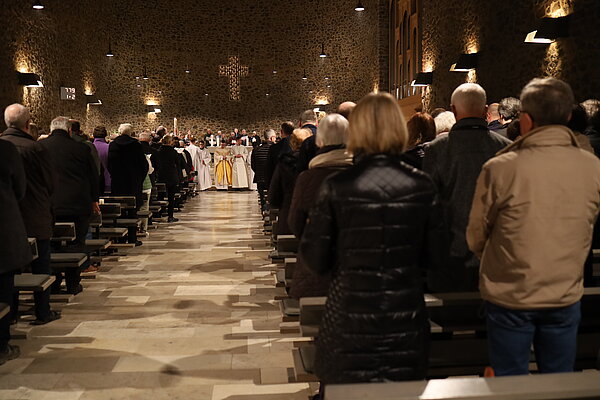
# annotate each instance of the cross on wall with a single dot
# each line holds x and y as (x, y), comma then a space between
(234, 71)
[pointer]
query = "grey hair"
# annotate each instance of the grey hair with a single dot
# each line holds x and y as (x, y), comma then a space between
(145, 136)
(308, 116)
(509, 108)
(444, 122)
(549, 101)
(592, 111)
(16, 116)
(269, 133)
(469, 98)
(126, 129)
(61, 123)
(333, 130)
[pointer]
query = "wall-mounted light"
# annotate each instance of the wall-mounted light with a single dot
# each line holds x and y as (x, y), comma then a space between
(38, 6)
(188, 70)
(549, 29)
(274, 70)
(153, 109)
(323, 54)
(29, 79)
(92, 100)
(359, 6)
(304, 77)
(465, 63)
(423, 79)
(145, 77)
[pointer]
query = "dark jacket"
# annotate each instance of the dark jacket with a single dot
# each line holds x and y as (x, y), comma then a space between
(454, 162)
(255, 141)
(282, 188)
(375, 227)
(169, 166)
(275, 152)
(36, 207)
(93, 151)
(76, 185)
(14, 249)
(414, 156)
(329, 160)
(258, 162)
(128, 167)
(308, 150)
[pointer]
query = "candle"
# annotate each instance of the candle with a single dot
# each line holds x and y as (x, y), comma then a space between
(218, 141)
(175, 125)
(212, 141)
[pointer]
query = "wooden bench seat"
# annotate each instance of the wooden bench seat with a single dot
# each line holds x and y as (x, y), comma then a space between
(94, 245)
(287, 244)
(67, 260)
(33, 282)
(33, 246)
(4, 310)
(575, 385)
(112, 233)
(290, 307)
(63, 232)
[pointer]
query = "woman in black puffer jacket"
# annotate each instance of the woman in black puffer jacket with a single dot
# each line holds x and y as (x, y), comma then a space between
(375, 227)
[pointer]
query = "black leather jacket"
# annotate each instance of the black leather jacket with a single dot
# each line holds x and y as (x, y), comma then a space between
(376, 227)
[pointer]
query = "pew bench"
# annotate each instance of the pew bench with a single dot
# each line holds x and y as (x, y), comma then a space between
(575, 385)
(4, 310)
(33, 282)
(33, 246)
(67, 260)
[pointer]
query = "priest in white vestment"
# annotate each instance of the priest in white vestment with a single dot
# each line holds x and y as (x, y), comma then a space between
(194, 153)
(204, 179)
(240, 174)
(250, 171)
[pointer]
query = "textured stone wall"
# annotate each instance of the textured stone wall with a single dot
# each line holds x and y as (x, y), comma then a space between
(497, 30)
(66, 45)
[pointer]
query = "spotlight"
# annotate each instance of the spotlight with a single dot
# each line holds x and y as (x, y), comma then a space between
(359, 6)
(304, 77)
(145, 77)
(38, 6)
(109, 53)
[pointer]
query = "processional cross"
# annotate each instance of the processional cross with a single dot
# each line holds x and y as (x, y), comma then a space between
(234, 71)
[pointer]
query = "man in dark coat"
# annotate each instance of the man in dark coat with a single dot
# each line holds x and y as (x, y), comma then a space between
(75, 195)
(146, 140)
(35, 207)
(276, 150)
(454, 162)
(258, 162)
(127, 165)
(309, 148)
(14, 251)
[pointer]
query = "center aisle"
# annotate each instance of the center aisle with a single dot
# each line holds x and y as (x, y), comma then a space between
(188, 315)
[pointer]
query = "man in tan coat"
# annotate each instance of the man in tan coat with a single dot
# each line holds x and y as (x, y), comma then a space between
(531, 225)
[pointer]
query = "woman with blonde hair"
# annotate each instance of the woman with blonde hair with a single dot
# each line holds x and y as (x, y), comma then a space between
(373, 227)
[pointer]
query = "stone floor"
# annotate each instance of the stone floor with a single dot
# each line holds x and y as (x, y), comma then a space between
(188, 315)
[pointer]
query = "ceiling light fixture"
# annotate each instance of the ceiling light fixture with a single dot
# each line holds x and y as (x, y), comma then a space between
(359, 6)
(109, 53)
(304, 77)
(92, 100)
(423, 79)
(145, 77)
(465, 63)
(323, 54)
(38, 6)
(549, 29)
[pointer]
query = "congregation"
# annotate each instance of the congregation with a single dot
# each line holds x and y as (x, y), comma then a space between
(499, 198)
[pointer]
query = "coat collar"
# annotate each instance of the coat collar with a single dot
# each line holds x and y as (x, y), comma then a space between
(60, 132)
(335, 157)
(470, 123)
(544, 136)
(17, 132)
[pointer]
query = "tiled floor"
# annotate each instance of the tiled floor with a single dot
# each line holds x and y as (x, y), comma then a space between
(188, 315)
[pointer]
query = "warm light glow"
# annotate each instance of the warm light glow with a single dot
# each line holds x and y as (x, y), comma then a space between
(322, 101)
(376, 87)
(559, 8)
(38, 6)
(151, 101)
(454, 69)
(472, 76)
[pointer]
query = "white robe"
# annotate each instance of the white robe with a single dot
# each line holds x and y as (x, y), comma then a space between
(240, 175)
(250, 171)
(194, 152)
(204, 179)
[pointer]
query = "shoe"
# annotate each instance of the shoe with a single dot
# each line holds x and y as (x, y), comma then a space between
(138, 243)
(10, 353)
(53, 316)
(76, 290)
(91, 268)
(171, 219)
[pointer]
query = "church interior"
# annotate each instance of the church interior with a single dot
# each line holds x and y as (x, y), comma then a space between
(320, 199)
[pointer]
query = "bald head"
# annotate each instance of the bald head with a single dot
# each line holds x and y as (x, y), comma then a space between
(345, 109)
(17, 116)
(493, 113)
(469, 101)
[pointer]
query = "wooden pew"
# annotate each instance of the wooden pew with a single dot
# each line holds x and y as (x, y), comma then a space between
(127, 219)
(4, 310)
(575, 385)
(33, 282)
(33, 247)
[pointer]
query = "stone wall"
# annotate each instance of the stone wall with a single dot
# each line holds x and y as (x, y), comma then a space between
(497, 30)
(66, 45)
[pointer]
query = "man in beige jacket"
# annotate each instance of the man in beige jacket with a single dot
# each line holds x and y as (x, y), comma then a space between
(531, 225)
